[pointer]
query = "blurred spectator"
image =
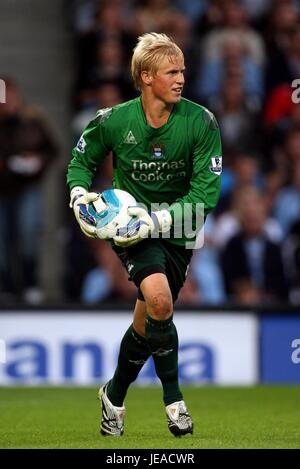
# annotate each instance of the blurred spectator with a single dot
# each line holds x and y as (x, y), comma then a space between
(245, 173)
(107, 31)
(109, 60)
(252, 263)
(292, 147)
(206, 268)
(155, 15)
(193, 9)
(236, 65)
(282, 20)
(27, 147)
(228, 224)
(212, 18)
(287, 203)
(286, 156)
(106, 94)
(284, 63)
(234, 23)
(83, 13)
(237, 119)
(257, 8)
(110, 65)
(278, 113)
(292, 262)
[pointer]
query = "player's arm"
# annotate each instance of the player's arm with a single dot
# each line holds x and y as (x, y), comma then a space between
(90, 151)
(205, 184)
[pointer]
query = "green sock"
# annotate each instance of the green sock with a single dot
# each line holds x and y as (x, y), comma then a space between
(162, 339)
(134, 352)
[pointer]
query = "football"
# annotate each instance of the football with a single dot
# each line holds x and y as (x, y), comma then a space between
(109, 214)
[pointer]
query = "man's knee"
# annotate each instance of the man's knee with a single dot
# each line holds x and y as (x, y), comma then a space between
(159, 306)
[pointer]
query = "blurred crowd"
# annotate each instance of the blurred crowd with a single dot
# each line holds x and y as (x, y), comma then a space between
(27, 149)
(242, 62)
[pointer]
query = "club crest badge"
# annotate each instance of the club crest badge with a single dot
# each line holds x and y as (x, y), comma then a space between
(157, 151)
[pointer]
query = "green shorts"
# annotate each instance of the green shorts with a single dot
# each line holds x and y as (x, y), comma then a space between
(156, 256)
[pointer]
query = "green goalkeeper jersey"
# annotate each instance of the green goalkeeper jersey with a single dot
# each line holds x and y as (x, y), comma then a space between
(178, 163)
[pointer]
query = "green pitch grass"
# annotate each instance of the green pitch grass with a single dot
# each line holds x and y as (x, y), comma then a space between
(259, 417)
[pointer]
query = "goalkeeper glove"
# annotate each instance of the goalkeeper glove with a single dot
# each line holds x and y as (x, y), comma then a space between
(159, 221)
(80, 196)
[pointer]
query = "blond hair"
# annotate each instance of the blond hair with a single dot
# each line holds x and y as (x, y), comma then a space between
(147, 54)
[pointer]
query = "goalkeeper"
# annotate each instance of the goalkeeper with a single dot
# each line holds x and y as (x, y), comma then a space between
(166, 149)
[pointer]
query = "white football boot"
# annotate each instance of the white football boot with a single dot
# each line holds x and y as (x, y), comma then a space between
(112, 422)
(179, 420)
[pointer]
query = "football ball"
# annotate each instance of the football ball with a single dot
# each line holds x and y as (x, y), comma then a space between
(109, 214)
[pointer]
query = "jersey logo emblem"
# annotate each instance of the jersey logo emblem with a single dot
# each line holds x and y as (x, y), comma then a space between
(129, 267)
(157, 151)
(216, 165)
(81, 144)
(130, 138)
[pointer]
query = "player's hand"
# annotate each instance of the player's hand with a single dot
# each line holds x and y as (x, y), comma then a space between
(141, 229)
(145, 226)
(80, 198)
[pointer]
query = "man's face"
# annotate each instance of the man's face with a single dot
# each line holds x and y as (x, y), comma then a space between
(167, 83)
